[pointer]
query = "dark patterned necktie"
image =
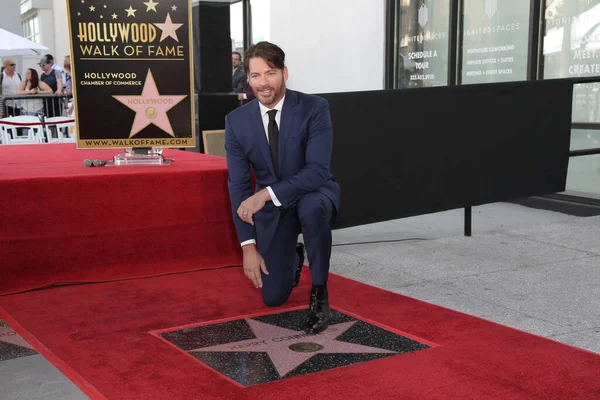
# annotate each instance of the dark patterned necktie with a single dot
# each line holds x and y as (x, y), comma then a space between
(273, 131)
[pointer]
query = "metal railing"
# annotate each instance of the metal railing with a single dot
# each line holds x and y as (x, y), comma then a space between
(46, 107)
(40, 105)
(591, 126)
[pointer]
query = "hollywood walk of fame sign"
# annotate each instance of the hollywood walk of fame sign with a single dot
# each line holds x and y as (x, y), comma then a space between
(132, 73)
(262, 349)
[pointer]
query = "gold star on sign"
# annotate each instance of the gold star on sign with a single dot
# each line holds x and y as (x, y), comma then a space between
(82, 1)
(114, 16)
(174, 8)
(79, 14)
(92, 8)
(105, 6)
(101, 17)
(130, 12)
(151, 5)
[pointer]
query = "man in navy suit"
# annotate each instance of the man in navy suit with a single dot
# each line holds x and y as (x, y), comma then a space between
(285, 138)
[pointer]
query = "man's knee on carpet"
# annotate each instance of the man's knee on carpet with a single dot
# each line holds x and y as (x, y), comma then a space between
(276, 288)
(275, 297)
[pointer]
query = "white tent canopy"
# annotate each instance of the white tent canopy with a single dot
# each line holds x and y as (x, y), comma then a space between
(15, 45)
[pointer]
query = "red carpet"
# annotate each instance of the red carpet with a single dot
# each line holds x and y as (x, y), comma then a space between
(63, 222)
(101, 332)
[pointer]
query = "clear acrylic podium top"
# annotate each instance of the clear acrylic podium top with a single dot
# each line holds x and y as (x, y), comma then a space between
(140, 156)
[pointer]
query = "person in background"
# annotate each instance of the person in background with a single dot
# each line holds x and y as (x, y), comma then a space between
(69, 86)
(238, 77)
(247, 95)
(33, 85)
(9, 85)
(52, 78)
(68, 78)
(58, 68)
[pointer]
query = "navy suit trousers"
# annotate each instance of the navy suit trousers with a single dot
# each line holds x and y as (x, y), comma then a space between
(311, 216)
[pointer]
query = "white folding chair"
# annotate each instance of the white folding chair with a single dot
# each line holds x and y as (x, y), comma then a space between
(2, 135)
(61, 123)
(28, 130)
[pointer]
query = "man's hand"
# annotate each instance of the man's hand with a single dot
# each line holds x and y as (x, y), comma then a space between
(253, 264)
(252, 205)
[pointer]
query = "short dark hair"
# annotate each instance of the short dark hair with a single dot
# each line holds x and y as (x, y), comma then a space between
(49, 57)
(270, 52)
(238, 53)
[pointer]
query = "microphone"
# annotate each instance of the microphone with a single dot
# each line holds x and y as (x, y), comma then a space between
(94, 163)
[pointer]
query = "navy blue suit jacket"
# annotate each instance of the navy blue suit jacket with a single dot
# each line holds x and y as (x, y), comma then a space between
(305, 143)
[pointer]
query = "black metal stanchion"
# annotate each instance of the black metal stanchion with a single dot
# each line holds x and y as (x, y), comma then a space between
(468, 212)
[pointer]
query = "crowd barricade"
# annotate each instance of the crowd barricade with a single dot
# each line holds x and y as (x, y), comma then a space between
(41, 105)
(40, 118)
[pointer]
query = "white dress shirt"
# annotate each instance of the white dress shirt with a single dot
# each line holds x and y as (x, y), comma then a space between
(10, 85)
(265, 119)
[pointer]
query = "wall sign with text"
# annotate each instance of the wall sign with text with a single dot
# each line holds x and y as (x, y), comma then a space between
(495, 40)
(132, 73)
(572, 49)
(423, 44)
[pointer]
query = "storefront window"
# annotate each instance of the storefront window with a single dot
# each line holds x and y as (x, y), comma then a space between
(583, 178)
(236, 27)
(261, 20)
(331, 45)
(572, 49)
(422, 43)
(495, 40)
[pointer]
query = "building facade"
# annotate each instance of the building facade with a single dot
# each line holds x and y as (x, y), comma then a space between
(357, 45)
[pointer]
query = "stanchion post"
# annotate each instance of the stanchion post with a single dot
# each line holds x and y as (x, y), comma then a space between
(468, 213)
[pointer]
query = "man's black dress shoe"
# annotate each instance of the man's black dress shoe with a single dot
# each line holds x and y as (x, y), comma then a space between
(318, 312)
(300, 251)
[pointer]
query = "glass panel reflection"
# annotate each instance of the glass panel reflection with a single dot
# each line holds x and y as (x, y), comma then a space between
(582, 139)
(583, 178)
(572, 49)
(236, 26)
(495, 41)
(423, 44)
(261, 16)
